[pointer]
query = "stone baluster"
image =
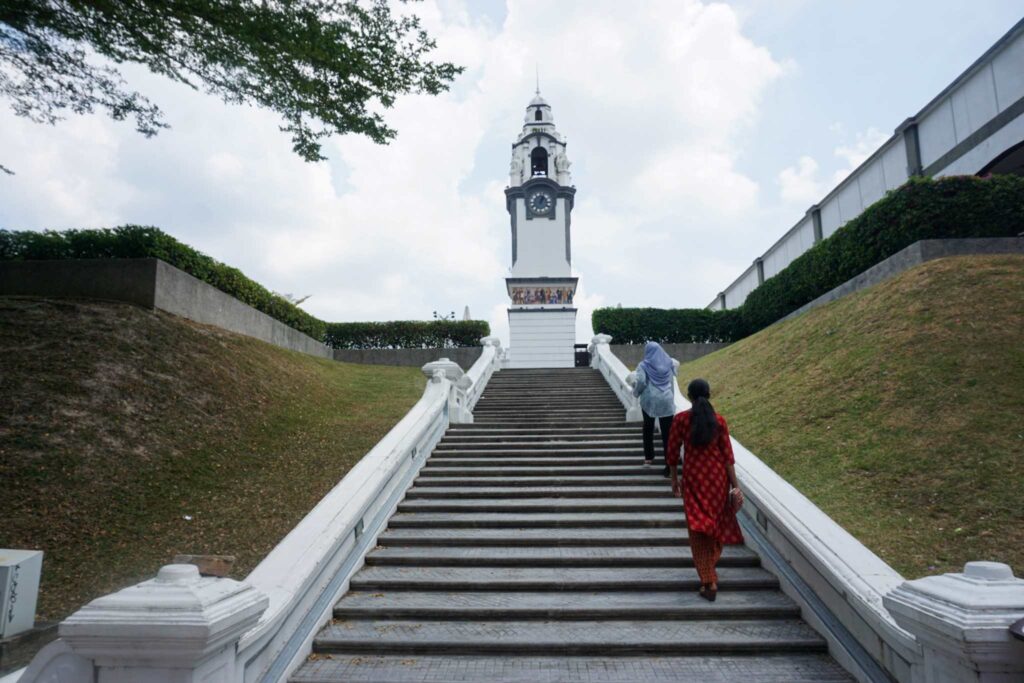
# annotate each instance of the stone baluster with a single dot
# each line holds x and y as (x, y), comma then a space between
(961, 622)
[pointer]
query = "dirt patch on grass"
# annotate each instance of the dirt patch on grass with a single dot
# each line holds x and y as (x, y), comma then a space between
(899, 410)
(128, 436)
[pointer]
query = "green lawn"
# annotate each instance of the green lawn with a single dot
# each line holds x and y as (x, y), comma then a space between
(128, 436)
(899, 410)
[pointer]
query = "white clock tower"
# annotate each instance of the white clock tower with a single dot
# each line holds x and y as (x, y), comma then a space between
(542, 318)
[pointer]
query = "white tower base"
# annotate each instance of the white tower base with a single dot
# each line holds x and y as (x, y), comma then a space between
(542, 338)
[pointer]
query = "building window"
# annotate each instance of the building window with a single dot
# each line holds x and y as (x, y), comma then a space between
(539, 162)
(538, 115)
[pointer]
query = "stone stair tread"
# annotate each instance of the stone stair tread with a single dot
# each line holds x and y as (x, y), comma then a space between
(536, 537)
(501, 459)
(608, 470)
(668, 504)
(378, 577)
(480, 556)
(566, 637)
(537, 519)
(514, 605)
(524, 492)
(787, 668)
(574, 450)
(650, 480)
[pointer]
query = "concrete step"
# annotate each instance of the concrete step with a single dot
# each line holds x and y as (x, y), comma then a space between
(537, 538)
(533, 450)
(539, 520)
(566, 606)
(500, 459)
(473, 429)
(588, 579)
(668, 504)
(363, 668)
(489, 441)
(675, 637)
(526, 493)
(637, 470)
(574, 556)
(547, 423)
(651, 479)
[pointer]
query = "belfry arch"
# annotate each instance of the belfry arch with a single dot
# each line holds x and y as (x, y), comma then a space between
(539, 162)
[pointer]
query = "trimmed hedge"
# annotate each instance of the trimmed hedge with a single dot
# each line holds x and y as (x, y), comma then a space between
(667, 325)
(136, 241)
(954, 207)
(406, 334)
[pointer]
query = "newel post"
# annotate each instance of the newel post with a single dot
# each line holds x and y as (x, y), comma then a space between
(458, 401)
(176, 628)
(962, 623)
(496, 343)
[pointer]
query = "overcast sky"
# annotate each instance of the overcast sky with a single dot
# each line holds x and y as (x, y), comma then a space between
(699, 133)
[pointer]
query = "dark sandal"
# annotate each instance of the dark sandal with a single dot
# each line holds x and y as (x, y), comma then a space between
(708, 593)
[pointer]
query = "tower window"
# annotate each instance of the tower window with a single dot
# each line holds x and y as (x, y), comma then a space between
(538, 115)
(539, 162)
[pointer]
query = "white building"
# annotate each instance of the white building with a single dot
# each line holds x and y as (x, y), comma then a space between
(541, 318)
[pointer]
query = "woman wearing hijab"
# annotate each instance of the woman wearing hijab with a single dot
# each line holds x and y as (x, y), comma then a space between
(657, 396)
(711, 494)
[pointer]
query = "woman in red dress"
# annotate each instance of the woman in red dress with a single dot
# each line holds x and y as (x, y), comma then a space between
(711, 494)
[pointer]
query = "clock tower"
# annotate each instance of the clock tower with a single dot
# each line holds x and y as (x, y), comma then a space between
(540, 196)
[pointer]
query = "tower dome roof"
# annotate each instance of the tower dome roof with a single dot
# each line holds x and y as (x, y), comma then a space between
(538, 101)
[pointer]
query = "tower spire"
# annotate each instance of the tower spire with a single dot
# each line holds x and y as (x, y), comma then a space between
(537, 66)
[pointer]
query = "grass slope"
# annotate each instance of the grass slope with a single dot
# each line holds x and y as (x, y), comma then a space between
(127, 436)
(899, 410)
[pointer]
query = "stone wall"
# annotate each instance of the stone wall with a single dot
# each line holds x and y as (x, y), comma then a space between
(417, 358)
(632, 354)
(916, 254)
(151, 283)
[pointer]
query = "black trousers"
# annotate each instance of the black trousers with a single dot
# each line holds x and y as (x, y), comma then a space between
(666, 424)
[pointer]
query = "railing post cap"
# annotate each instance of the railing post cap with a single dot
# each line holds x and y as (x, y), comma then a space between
(601, 339)
(491, 341)
(175, 620)
(449, 368)
(963, 619)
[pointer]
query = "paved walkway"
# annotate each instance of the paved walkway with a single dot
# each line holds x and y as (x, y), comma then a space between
(534, 546)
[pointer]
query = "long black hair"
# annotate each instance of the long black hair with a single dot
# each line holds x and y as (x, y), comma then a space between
(703, 423)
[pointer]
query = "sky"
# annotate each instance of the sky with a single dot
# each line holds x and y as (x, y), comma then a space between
(699, 133)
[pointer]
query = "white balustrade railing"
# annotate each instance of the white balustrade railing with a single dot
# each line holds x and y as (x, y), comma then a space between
(961, 619)
(185, 628)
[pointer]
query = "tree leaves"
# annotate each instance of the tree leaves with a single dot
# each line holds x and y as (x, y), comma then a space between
(325, 66)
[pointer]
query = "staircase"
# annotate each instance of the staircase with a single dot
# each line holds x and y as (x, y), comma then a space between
(535, 546)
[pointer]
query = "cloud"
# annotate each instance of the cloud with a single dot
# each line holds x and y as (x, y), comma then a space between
(801, 184)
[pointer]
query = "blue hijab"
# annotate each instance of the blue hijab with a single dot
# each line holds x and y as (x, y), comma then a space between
(657, 365)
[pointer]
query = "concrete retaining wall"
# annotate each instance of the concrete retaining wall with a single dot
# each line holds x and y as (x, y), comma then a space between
(914, 255)
(632, 354)
(151, 283)
(417, 358)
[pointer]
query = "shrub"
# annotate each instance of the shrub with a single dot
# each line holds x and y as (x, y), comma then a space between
(406, 334)
(673, 325)
(136, 241)
(954, 207)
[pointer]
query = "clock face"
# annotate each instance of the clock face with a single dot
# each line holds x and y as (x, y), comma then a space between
(540, 202)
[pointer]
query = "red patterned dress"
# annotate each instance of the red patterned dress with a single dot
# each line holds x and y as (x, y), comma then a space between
(710, 519)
